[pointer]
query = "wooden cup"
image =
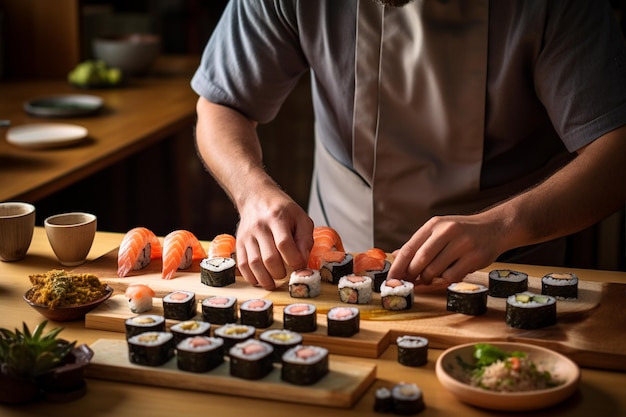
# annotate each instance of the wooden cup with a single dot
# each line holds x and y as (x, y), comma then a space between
(71, 236)
(17, 223)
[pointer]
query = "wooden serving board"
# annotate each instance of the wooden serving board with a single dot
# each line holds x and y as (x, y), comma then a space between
(345, 383)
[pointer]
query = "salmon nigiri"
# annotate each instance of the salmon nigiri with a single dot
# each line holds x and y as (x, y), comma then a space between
(325, 239)
(139, 246)
(222, 246)
(370, 260)
(180, 249)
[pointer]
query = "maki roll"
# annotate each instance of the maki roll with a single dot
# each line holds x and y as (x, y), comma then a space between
(563, 286)
(374, 264)
(396, 294)
(383, 403)
(251, 359)
(189, 328)
(343, 321)
(355, 289)
(504, 282)
(257, 312)
(199, 353)
(281, 340)
(305, 283)
(219, 309)
(217, 272)
(304, 365)
(530, 311)
(300, 317)
(467, 298)
(334, 265)
(151, 348)
(412, 350)
(144, 323)
(180, 305)
(407, 399)
(233, 333)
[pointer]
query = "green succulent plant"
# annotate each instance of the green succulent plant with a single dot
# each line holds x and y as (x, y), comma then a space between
(26, 354)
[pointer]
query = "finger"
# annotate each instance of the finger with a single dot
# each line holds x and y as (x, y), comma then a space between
(271, 263)
(405, 265)
(258, 269)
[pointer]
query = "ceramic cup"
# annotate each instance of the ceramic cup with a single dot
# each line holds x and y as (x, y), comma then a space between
(70, 236)
(17, 222)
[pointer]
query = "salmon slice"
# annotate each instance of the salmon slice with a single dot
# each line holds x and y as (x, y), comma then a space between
(180, 248)
(222, 246)
(325, 239)
(139, 246)
(371, 260)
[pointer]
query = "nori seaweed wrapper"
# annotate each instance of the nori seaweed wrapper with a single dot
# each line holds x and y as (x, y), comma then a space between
(133, 330)
(180, 310)
(406, 406)
(503, 286)
(343, 328)
(253, 368)
(383, 403)
(151, 355)
(212, 278)
(339, 269)
(200, 361)
(413, 355)
(473, 304)
(301, 323)
(565, 291)
(304, 373)
(378, 277)
(530, 317)
(260, 319)
(215, 314)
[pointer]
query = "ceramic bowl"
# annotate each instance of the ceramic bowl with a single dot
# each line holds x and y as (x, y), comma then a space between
(450, 375)
(133, 53)
(68, 313)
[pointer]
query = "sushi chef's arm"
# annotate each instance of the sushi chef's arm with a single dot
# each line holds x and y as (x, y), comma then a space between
(273, 230)
(590, 187)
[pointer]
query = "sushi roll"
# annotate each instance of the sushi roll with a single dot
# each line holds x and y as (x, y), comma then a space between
(189, 328)
(305, 283)
(151, 348)
(304, 365)
(217, 272)
(563, 286)
(139, 298)
(530, 311)
(219, 309)
(343, 321)
(467, 298)
(334, 265)
(180, 305)
(355, 289)
(257, 312)
(300, 317)
(412, 350)
(504, 283)
(199, 353)
(251, 359)
(383, 403)
(144, 323)
(233, 333)
(281, 340)
(407, 399)
(396, 294)
(374, 264)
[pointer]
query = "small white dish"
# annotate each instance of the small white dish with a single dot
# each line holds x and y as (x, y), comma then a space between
(64, 105)
(45, 135)
(450, 374)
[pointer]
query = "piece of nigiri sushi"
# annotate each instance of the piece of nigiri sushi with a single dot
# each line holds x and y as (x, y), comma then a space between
(325, 239)
(222, 246)
(139, 297)
(371, 260)
(139, 246)
(180, 249)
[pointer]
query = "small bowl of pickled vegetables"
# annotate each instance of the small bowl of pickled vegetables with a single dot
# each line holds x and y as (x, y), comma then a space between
(507, 376)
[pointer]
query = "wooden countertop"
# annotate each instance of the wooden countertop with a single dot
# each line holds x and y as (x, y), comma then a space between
(135, 116)
(600, 392)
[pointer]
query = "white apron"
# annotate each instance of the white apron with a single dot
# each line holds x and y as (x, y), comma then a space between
(418, 132)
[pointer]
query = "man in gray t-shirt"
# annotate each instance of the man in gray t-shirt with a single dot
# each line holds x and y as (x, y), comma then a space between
(436, 126)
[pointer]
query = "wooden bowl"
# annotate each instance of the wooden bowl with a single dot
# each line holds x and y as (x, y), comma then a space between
(68, 313)
(451, 376)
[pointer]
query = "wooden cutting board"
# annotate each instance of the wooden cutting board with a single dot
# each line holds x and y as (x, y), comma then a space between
(589, 330)
(345, 383)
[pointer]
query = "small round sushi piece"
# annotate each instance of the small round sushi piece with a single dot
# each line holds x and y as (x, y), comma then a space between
(257, 312)
(151, 348)
(505, 282)
(251, 359)
(199, 353)
(407, 399)
(304, 365)
(144, 323)
(396, 294)
(343, 321)
(412, 350)
(355, 289)
(300, 317)
(217, 272)
(305, 283)
(180, 305)
(189, 328)
(467, 298)
(139, 298)
(219, 309)
(563, 286)
(383, 403)
(234, 333)
(281, 340)
(530, 311)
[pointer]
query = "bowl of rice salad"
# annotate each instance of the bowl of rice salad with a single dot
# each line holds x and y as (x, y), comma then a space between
(507, 376)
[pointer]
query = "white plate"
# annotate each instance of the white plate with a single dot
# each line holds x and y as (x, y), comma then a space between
(45, 135)
(67, 105)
